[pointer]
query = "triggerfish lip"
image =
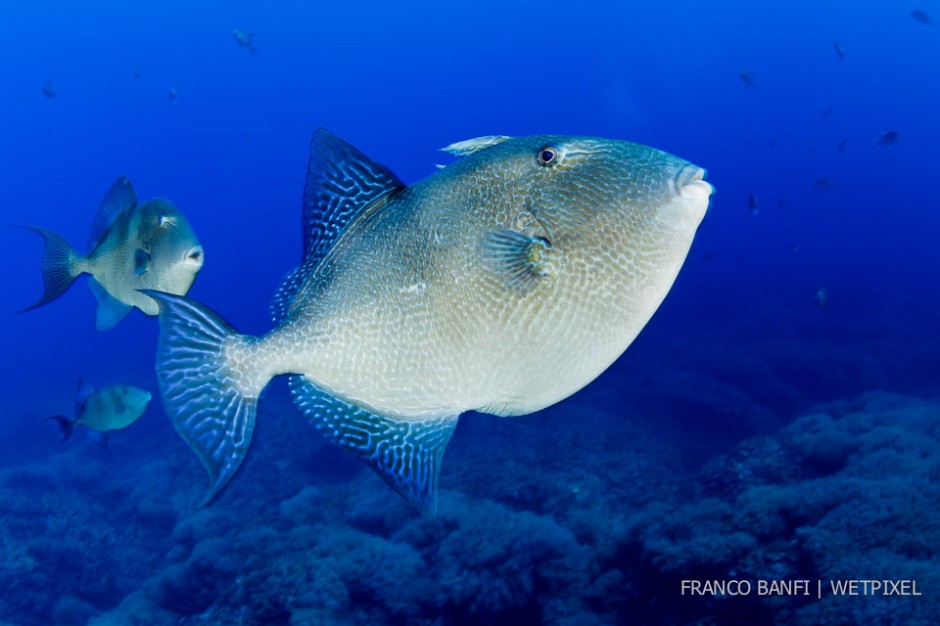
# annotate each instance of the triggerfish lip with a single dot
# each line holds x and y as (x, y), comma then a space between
(194, 256)
(691, 183)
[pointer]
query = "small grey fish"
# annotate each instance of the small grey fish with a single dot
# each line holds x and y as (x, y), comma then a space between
(921, 16)
(103, 410)
(888, 139)
(747, 78)
(133, 247)
(840, 50)
(502, 283)
(244, 39)
(48, 89)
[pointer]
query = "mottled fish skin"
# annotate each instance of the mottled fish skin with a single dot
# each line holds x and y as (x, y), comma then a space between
(406, 318)
(503, 283)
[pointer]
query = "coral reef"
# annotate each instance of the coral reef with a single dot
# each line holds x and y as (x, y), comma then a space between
(845, 493)
(584, 514)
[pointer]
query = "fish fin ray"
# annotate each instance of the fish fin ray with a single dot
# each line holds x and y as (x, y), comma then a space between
(471, 146)
(518, 260)
(119, 198)
(60, 266)
(110, 310)
(341, 183)
(405, 454)
(209, 410)
(66, 425)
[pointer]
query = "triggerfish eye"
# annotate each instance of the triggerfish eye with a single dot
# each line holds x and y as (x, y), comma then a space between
(549, 156)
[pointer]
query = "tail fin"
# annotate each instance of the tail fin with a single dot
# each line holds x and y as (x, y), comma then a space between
(59, 266)
(200, 387)
(66, 425)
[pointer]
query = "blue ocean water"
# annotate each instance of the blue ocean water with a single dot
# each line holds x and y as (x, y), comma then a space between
(777, 420)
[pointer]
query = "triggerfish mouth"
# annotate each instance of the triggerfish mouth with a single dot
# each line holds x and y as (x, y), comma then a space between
(503, 283)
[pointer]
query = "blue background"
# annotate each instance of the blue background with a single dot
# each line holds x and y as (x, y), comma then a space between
(741, 346)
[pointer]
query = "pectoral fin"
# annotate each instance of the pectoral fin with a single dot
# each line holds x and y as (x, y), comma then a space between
(141, 262)
(518, 260)
(406, 454)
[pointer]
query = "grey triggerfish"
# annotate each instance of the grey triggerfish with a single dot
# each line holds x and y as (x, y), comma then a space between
(502, 283)
(103, 410)
(888, 138)
(244, 39)
(133, 247)
(921, 16)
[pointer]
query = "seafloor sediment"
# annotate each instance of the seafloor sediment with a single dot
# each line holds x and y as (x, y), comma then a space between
(588, 513)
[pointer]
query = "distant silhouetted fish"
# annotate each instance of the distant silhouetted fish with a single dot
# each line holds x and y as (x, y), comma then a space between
(48, 89)
(747, 78)
(921, 16)
(827, 112)
(840, 51)
(888, 139)
(843, 144)
(244, 39)
(752, 204)
(824, 183)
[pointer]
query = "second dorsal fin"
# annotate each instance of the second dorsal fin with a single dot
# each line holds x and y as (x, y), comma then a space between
(341, 183)
(119, 198)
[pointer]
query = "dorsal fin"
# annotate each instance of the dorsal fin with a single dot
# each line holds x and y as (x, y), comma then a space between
(288, 289)
(82, 394)
(341, 183)
(119, 198)
(469, 146)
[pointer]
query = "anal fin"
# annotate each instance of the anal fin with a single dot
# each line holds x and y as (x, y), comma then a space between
(405, 453)
(110, 309)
